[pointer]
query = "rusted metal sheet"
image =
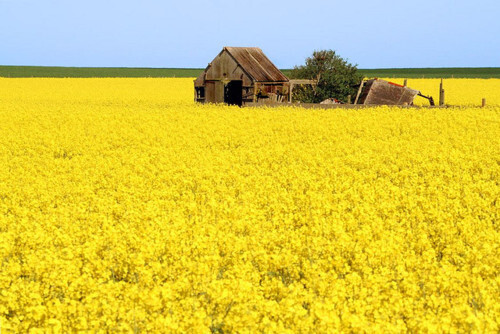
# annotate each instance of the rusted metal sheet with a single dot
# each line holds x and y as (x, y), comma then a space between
(377, 91)
(256, 64)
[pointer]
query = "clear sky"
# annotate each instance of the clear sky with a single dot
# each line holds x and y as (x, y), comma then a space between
(184, 33)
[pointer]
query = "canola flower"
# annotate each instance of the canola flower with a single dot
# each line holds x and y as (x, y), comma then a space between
(125, 207)
(458, 92)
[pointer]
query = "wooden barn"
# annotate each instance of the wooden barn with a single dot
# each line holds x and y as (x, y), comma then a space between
(241, 74)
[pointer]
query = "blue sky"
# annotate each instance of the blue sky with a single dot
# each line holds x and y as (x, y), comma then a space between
(153, 33)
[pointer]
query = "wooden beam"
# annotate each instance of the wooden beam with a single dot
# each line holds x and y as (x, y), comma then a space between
(303, 82)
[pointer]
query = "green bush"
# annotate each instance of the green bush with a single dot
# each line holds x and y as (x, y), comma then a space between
(335, 76)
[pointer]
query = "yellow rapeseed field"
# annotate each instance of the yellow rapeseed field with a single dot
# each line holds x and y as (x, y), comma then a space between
(125, 207)
(458, 92)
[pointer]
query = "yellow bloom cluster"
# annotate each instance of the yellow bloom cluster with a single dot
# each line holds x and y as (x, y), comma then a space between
(458, 92)
(125, 207)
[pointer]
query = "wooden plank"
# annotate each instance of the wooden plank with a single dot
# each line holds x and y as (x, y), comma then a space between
(219, 92)
(210, 91)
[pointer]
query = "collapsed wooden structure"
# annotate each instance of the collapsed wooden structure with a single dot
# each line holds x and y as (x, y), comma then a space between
(381, 92)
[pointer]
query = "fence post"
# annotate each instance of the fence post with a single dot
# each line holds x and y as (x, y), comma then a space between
(405, 83)
(441, 94)
(483, 102)
(348, 99)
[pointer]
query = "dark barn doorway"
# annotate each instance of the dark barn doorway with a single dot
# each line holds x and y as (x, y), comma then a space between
(233, 92)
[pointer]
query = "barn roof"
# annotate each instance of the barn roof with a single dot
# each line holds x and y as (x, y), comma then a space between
(255, 63)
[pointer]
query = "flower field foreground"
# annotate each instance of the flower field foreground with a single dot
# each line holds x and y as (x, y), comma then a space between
(125, 207)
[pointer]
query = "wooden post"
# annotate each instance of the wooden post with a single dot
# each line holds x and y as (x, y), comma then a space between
(441, 94)
(483, 102)
(348, 99)
(359, 91)
(291, 92)
(405, 83)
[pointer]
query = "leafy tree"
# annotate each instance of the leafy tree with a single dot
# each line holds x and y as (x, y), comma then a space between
(335, 76)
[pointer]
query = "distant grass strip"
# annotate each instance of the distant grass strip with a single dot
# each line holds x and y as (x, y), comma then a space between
(96, 72)
(143, 72)
(451, 72)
